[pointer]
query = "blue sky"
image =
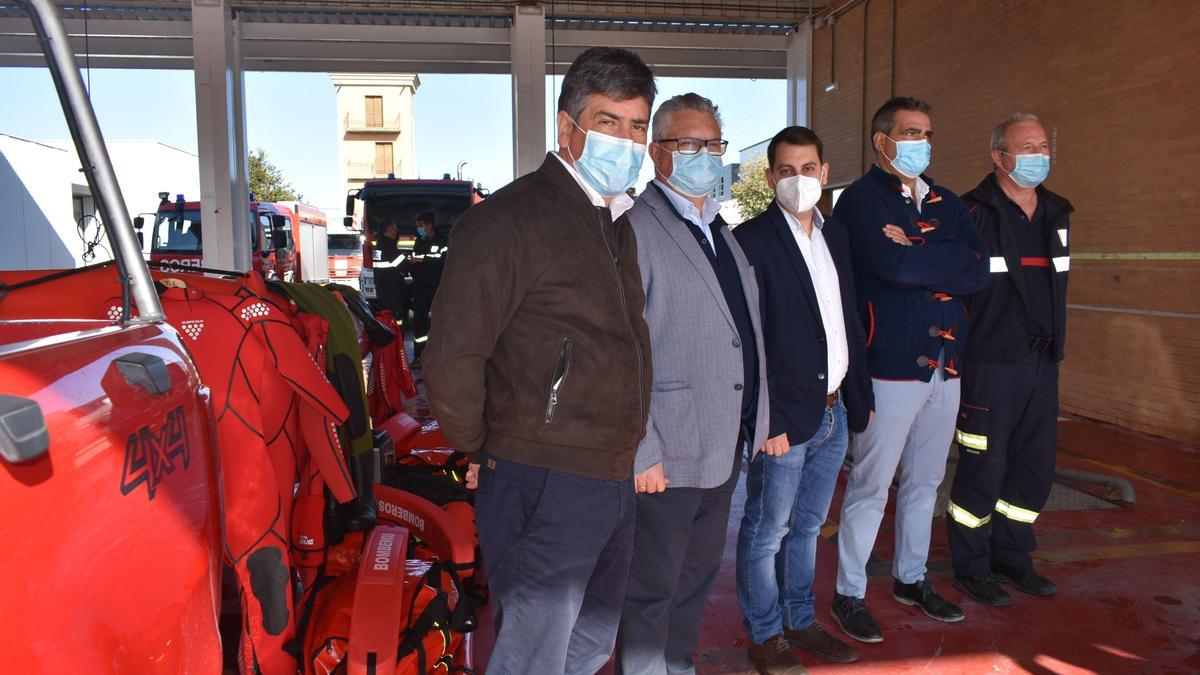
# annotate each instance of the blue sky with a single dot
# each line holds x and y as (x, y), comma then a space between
(457, 117)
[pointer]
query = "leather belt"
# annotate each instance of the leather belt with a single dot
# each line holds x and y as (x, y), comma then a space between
(833, 398)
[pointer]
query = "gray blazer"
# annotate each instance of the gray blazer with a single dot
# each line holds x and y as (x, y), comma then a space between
(695, 412)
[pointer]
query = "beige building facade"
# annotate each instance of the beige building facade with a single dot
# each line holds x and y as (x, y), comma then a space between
(375, 125)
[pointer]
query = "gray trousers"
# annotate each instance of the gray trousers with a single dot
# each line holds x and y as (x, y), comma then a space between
(678, 544)
(912, 431)
(556, 548)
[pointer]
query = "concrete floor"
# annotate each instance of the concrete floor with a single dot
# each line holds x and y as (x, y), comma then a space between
(1128, 600)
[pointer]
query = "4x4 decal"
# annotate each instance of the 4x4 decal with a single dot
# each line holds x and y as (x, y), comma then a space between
(149, 457)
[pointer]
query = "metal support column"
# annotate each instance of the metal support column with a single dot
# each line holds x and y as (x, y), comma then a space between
(528, 45)
(799, 66)
(221, 128)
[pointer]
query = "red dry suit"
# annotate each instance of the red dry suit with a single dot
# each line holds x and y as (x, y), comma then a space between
(275, 413)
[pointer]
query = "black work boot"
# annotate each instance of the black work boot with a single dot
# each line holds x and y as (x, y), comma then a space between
(1024, 579)
(983, 589)
(359, 514)
(853, 618)
(922, 595)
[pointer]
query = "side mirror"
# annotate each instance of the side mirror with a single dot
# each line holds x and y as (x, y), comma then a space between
(139, 222)
(348, 222)
(350, 204)
(281, 232)
(141, 239)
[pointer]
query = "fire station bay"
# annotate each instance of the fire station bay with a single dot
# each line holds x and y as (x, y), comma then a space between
(547, 337)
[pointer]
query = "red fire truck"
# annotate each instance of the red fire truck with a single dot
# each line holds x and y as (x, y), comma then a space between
(400, 200)
(346, 254)
(288, 241)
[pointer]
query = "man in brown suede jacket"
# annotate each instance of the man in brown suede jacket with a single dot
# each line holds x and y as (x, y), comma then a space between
(538, 367)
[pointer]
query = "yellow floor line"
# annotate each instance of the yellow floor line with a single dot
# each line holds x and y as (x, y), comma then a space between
(1164, 483)
(1120, 551)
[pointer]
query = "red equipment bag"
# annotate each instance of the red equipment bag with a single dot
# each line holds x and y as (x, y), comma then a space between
(394, 610)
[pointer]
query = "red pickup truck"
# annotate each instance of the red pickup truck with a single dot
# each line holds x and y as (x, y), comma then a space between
(110, 515)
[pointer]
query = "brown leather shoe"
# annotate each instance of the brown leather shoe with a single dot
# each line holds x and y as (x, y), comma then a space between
(817, 640)
(775, 657)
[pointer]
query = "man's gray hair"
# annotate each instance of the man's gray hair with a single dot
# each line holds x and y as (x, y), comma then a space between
(662, 117)
(1002, 128)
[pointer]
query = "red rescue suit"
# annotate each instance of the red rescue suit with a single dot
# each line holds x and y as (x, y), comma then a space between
(276, 413)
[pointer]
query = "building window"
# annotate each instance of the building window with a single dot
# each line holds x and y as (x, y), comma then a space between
(383, 158)
(374, 111)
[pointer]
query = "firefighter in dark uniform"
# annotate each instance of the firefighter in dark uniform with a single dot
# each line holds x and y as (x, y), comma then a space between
(387, 260)
(428, 260)
(1007, 421)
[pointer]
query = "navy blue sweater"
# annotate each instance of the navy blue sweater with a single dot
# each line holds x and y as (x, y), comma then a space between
(909, 297)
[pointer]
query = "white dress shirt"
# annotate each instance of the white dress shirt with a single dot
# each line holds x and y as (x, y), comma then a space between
(685, 207)
(829, 295)
(922, 191)
(618, 205)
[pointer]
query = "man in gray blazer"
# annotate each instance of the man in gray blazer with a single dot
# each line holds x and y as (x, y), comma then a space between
(708, 403)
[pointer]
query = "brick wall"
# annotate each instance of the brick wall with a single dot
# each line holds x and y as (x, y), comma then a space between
(1117, 87)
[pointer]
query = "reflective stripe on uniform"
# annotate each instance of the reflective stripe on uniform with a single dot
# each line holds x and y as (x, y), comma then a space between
(1062, 236)
(1015, 512)
(998, 265)
(966, 518)
(393, 263)
(423, 338)
(1062, 263)
(973, 441)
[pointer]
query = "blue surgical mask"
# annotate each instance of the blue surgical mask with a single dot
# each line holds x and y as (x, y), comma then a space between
(1029, 170)
(695, 175)
(609, 164)
(912, 157)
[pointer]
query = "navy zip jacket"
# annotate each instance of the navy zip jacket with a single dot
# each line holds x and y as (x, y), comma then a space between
(910, 297)
(998, 313)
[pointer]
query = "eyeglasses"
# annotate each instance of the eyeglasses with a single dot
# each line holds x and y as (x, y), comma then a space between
(690, 146)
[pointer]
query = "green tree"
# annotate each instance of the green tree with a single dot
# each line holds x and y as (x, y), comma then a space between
(266, 180)
(751, 191)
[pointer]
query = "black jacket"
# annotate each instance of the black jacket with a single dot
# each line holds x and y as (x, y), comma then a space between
(539, 352)
(427, 272)
(998, 313)
(793, 334)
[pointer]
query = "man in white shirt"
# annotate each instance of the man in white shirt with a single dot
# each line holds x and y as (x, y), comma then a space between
(819, 391)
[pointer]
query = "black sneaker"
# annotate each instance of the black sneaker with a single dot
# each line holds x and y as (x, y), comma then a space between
(852, 617)
(983, 589)
(1024, 580)
(922, 595)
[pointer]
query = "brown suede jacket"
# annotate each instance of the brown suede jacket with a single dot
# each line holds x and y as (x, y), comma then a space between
(539, 352)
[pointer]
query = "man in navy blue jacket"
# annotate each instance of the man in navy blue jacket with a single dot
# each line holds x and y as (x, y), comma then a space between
(818, 386)
(916, 253)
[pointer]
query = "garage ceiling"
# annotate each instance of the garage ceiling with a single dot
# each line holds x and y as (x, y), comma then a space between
(702, 38)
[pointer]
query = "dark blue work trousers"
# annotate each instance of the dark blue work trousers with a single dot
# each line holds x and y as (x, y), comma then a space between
(557, 549)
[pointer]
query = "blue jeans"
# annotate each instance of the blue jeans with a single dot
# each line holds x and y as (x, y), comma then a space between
(787, 500)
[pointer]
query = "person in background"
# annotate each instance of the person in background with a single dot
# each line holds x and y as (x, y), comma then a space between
(916, 255)
(708, 404)
(820, 390)
(428, 260)
(1008, 419)
(388, 261)
(538, 367)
